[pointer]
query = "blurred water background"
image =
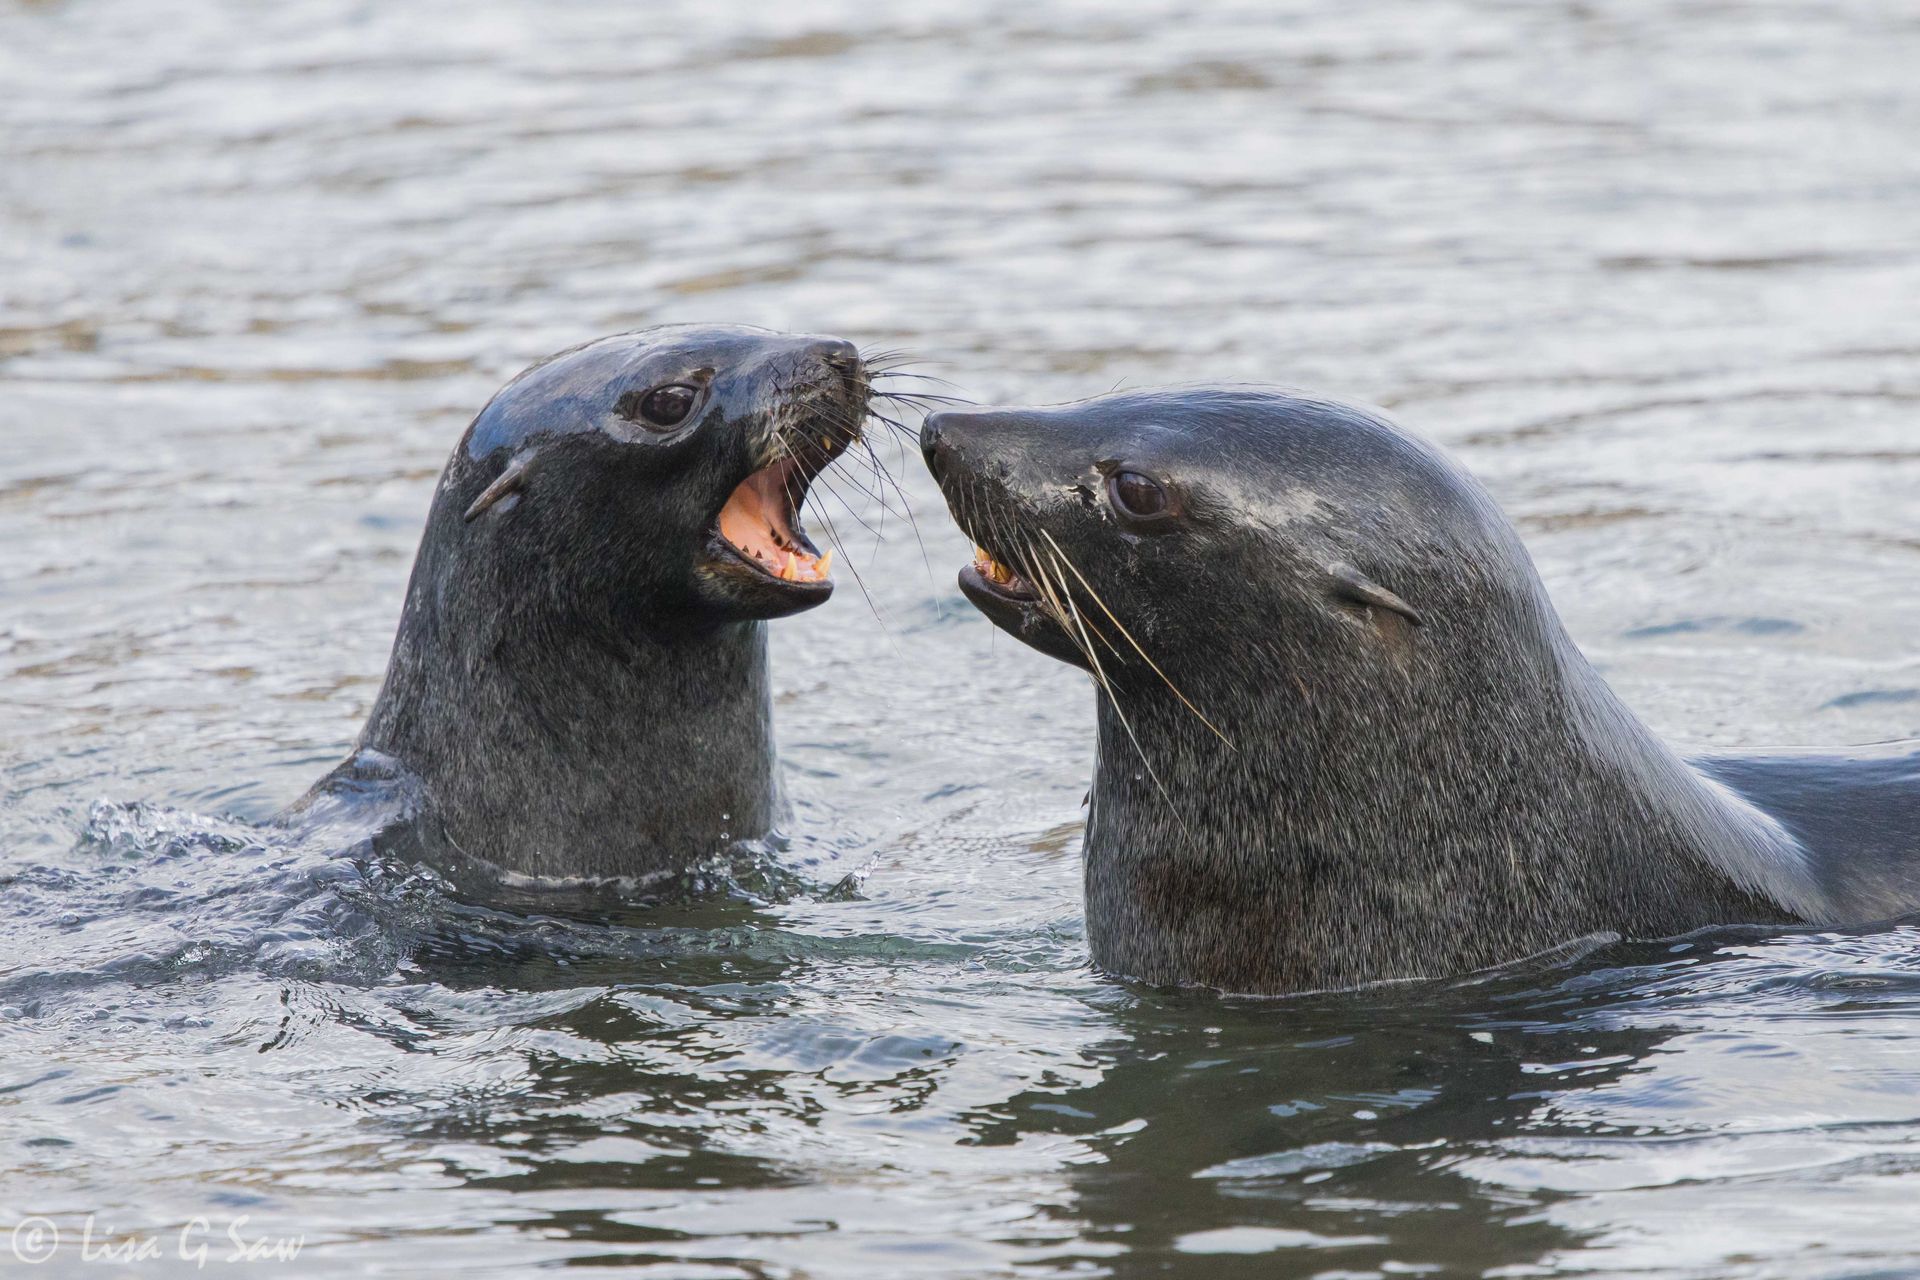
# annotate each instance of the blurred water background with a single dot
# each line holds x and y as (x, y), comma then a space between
(1650, 267)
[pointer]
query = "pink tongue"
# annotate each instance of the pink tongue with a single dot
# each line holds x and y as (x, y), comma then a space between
(754, 521)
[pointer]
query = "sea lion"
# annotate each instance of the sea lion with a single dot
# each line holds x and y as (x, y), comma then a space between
(1342, 734)
(579, 683)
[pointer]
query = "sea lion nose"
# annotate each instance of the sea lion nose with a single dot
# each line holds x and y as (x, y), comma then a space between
(934, 445)
(838, 352)
(950, 436)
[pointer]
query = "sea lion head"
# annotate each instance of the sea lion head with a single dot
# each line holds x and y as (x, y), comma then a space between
(656, 476)
(1202, 535)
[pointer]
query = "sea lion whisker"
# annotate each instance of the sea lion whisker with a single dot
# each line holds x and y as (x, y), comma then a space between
(894, 430)
(887, 363)
(914, 397)
(894, 424)
(885, 508)
(1069, 620)
(919, 391)
(850, 509)
(1085, 645)
(889, 359)
(1030, 567)
(906, 504)
(845, 427)
(923, 401)
(899, 372)
(1087, 623)
(897, 427)
(861, 487)
(1059, 601)
(879, 534)
(1145, 656)
(844, 475)
(833, 535)
(877, 416)
(839, 543)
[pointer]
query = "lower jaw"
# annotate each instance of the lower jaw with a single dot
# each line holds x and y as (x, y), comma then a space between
(725, 558)
(988, 595)
(1021, 617)
(798, 567)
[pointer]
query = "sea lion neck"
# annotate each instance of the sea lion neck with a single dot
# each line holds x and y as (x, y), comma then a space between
(1330, 836)
(573, 753)
(565, 747)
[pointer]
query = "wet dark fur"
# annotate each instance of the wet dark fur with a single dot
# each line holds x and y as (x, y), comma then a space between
(1421, 789)
(575, 690)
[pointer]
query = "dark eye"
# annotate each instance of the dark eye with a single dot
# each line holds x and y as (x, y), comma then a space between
(1133, 494)
(663, 407)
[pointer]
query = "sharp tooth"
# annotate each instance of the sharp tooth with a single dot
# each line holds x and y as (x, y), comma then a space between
(823, 565)
(787, 570)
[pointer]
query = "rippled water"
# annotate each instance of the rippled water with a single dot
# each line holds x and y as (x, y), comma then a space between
(1651, 268)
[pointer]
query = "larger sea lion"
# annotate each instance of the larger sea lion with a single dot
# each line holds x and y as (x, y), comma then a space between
(579, 683)
(1343, 735)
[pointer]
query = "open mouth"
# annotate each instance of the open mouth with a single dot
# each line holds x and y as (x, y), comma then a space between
(760, 523)
(993, 578)
(1039, 616)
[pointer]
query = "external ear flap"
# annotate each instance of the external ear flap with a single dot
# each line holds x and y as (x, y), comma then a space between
(506, 486)
(1354, 587)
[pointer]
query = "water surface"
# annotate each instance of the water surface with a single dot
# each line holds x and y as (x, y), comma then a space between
(1650, 268)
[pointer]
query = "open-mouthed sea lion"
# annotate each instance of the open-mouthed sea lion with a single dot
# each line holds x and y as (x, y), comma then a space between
(579, 684)
(1343, 735)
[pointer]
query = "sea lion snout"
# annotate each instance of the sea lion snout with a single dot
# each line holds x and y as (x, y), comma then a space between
(801, 362)
(937, 434)
(972, 445)
(838, 352)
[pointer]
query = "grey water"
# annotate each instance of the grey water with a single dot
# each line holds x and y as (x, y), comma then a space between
(1652, 269)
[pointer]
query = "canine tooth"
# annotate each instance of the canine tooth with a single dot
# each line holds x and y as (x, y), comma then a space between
(787, 570)
(823, 565)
